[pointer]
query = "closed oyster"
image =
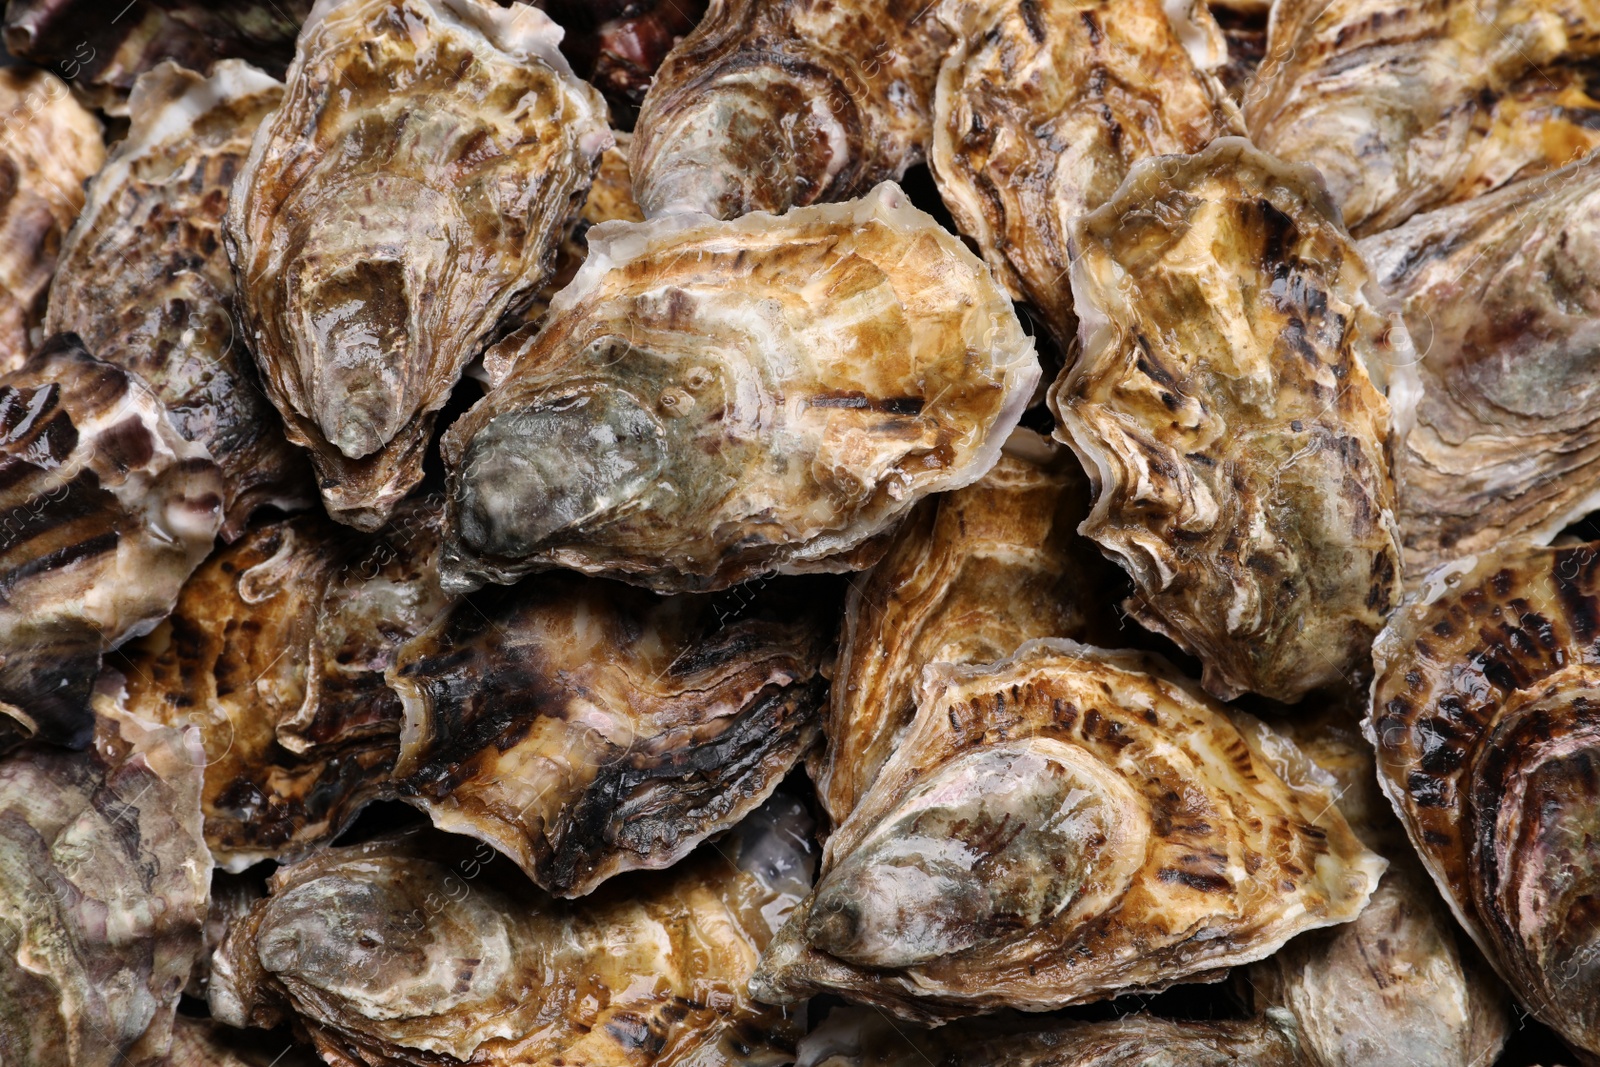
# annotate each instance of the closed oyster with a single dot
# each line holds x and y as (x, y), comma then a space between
(103, 884)
(1229, 407)
(105, 510)
(1496, 294)
(411, 189)
(971, 576)
(49, 146)
(1407, 108)
(586, 728)
(709, 401)
(399, 952)
(145, 281)
(772, 104)
(1486, 715)
(1059, 827)
(1041, 110)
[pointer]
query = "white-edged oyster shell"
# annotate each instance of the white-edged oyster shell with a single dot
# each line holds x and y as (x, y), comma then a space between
(411, 189)
(709, 401)
(1229, 405)
(1059, 827)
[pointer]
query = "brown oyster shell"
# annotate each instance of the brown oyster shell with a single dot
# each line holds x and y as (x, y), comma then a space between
(585, 728)
(103, 886)
(1496, 295)
(406, 951)
(49, 147)
(972, 575)
(1041, 110)
(773, 104)
(426, 160)
(710, 401)
(1486, 714)
(145, 281)
(104, 512)
(1229, 407)
(1244, 31)
(1060, 827)
(1405, 108)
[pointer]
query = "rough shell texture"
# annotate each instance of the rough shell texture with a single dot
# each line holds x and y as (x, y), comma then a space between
(1499, 297)
(1039, 114)
(105, 509)
(971, 576)
(49, 146)
(145, 281)
(1406, 108)
(1229, 407)
(709, 401)
(396, 952)
(1486, 714)
(1059, 827)
(770, 104)
(586, 728)
(411, 189)
(103, 885)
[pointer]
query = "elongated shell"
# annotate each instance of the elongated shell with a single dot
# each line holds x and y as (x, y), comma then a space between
(585, 728)
(709, 401)
(414, 952)
(145, 281)
(426, 161)
(1059, 827)
(1486, 714)
(773, 104)
(1495, 292)
(1229, 407)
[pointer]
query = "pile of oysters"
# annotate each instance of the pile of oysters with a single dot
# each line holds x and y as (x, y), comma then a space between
(858, 534)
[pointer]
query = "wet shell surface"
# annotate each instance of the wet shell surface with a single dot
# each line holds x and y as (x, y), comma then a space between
(711, 401)
(1229, 406)
(411, 189)
(145, 281)
(1059, 827)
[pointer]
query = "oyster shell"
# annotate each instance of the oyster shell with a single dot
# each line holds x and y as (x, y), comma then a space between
(426, 160)
(1244, 30)
(1409, 108)
(48, 148)
(972, 575)
(1041, 110)
(398, 952)
(1484, 713)
(1495, 292)
(1229, 407)
(773, 104)
(1059, 827)
(104, 512)
(145, 281)
(586, 728)
(103, 885)
(709, 401)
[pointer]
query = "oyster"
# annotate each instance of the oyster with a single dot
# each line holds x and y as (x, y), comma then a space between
(48, 148)
(1229, 405)
(773, 104)
(1040, 112)
(1495, 292)
(425, 162)
(709, 401)
(971, 576)
(144, 279)
(104, 512)
(1407, 108)
(397, 952)
(1484, 713)
(103, 885)
(1059, 827)
(585, 728)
